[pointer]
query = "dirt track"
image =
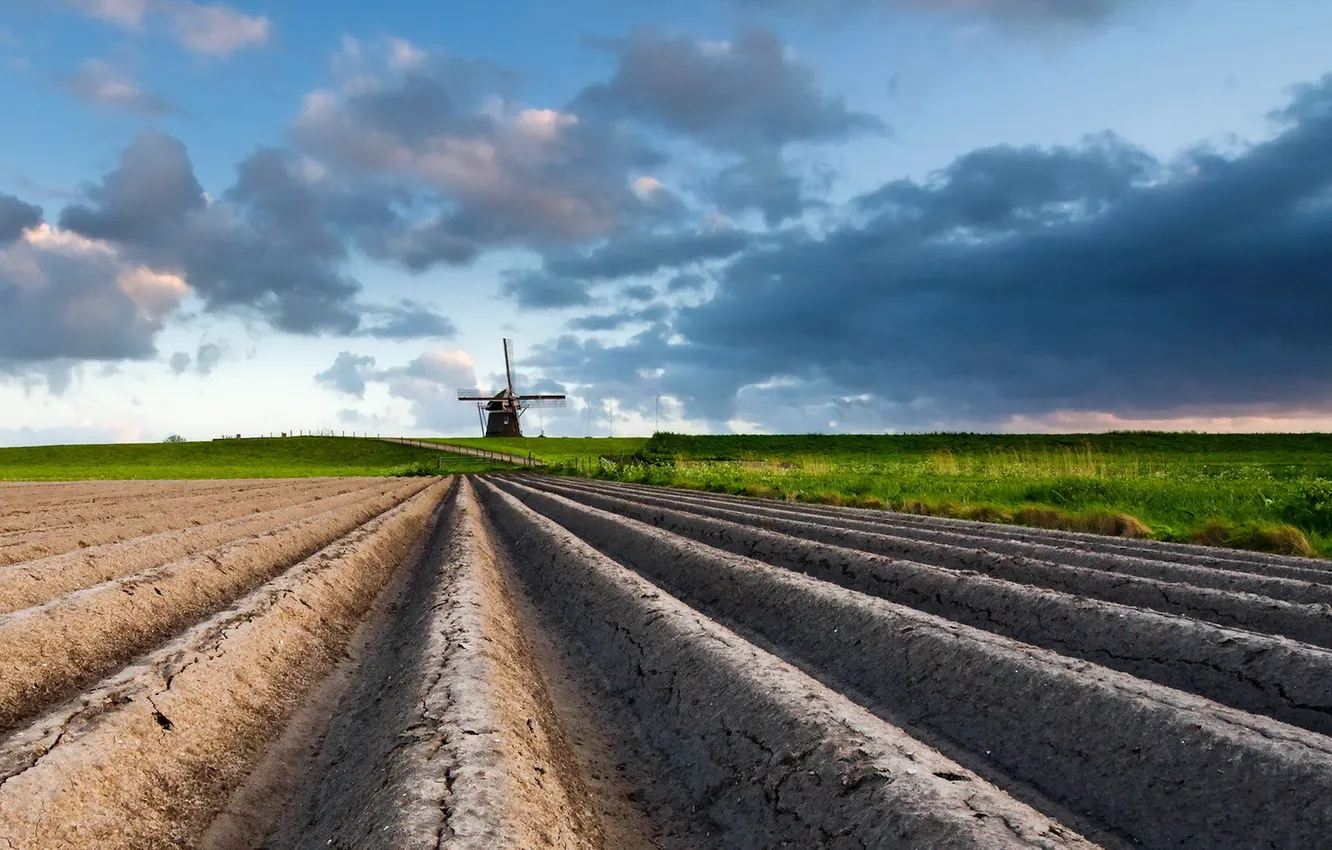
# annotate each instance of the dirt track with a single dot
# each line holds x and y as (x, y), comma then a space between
(524, 661)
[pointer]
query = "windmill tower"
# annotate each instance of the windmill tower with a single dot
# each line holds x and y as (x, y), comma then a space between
(499, 411)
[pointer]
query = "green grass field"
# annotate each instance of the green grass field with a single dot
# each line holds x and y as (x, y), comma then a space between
(290, 457)
(553, 449)
(1261, 491)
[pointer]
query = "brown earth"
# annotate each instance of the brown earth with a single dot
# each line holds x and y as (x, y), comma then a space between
(526, 661)
(36, 581)
(131, 518)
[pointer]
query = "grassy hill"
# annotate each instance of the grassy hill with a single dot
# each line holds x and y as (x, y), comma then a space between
(290, 457)
(1262, 491)
(553, 449)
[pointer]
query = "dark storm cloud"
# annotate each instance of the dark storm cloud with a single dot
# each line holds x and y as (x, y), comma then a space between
(1027, 281)
(747, 98)
(16, 216)
(1004, 188)
(348, 374)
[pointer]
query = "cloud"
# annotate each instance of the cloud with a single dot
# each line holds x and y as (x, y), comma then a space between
(1020, 282)
(276, 244)
(639, 292)
(742, 95)
(747, 98)
(180, 363)
(16, 216)
(566, 279)
(207, 358)
(492, 172)
(616, 321)
(64, 299)
(128, 14)
(537, 290)
(207, 28)
(633, 255)
(99, 84)
(686, 282)
(348, 374)
(1015, 12)
(406, 320)
(428, 382)
(763, 182)
(215, 29)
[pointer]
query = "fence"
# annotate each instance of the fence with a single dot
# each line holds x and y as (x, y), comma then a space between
(503, 457)
(488, 454)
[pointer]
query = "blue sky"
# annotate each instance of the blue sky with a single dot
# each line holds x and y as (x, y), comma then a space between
(774, 215)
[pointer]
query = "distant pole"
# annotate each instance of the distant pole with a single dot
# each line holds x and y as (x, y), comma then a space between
(589, 417)
(657, 427)
(610, 416)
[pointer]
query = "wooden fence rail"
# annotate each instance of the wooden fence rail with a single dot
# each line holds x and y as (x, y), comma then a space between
(488, 454)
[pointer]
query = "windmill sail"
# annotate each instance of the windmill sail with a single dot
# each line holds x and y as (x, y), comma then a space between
(502, 409)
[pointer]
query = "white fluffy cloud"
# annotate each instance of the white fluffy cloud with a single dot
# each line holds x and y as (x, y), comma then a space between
(212, 29)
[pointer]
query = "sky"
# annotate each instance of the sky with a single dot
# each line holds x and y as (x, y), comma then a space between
(706, 215)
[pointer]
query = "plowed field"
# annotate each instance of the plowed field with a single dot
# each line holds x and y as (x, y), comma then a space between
(527, 661)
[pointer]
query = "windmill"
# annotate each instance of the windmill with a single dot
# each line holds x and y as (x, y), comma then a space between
(500, 411)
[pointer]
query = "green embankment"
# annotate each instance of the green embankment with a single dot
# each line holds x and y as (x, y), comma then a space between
(553, 449)
(290, 457)
(1260, 491)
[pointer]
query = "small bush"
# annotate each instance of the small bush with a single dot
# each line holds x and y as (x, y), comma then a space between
(1037, 517)
(1275, 538)
(1310, 506)
(1108, 523)
(986, 513)
(412, 470)
(1115, 524)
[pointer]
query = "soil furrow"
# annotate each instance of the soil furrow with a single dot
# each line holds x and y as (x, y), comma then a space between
(447, 711)
(167, 515)
(1277, 677)
(1178, 770)
(34, 582)
(55, 648)
(1206, 556)
(1306, 623)
(102, 500)
(767, 754)
(955, 549)
(148, 758)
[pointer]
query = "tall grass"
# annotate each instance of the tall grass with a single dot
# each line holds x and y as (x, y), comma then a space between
(1254, 491)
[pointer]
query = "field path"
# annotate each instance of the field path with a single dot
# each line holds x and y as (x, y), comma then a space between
(523, 661)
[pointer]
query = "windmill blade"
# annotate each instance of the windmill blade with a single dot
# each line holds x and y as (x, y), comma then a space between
(508, 357)
(474, 394)
(543, 401)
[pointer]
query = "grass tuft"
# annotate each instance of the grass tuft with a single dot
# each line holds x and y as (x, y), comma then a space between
(1274, 538)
